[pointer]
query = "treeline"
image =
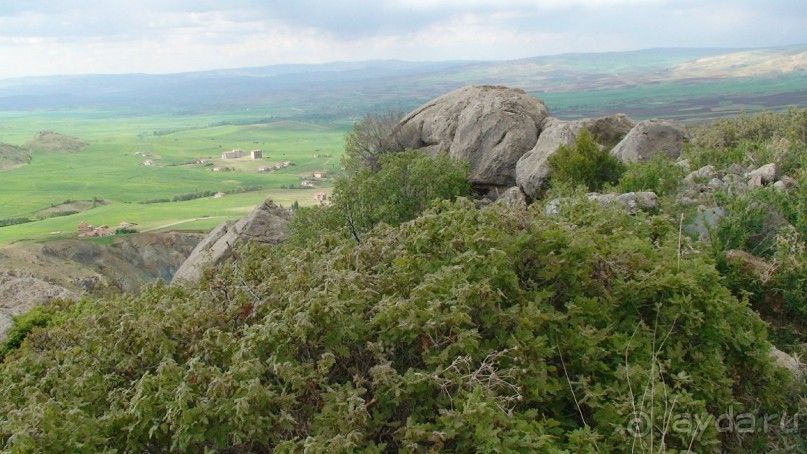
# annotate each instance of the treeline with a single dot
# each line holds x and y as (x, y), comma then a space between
(14, 221)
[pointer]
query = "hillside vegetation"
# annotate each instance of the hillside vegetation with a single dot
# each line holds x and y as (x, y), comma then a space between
(457, 328)
(12, 156)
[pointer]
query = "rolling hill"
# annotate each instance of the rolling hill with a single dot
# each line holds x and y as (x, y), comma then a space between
(680, 83)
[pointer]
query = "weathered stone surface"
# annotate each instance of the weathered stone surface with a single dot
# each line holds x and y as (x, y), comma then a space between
(533, 171)
(265, 224)
(609, 130)
(761, 176)
(786, 184)
(513, 198)
(19, 295)
(630, 201)
(751, 265)
(706, 219)
(491, 127)
(793, 365)
(650, 138)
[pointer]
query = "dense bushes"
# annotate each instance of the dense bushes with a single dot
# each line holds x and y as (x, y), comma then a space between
(454, 328)
(463, 330)
(780, 138)
(23, 325)
(660, 175)
(768, 223)
(404, 185)
(585, 164)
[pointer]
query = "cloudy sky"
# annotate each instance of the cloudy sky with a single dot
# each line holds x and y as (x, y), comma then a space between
(43, 37)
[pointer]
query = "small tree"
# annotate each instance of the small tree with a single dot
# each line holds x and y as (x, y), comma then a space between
(585, 164)
(375, 135)
(404, 186)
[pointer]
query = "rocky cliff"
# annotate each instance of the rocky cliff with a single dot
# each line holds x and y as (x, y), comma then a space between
(36, 274)
(265, 224)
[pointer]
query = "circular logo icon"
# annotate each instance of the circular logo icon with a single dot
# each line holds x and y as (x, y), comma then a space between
(638, 425)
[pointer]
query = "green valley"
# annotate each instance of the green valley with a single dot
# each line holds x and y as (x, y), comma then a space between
(131, 160)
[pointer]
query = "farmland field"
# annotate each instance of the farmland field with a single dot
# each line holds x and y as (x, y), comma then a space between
(109, 175)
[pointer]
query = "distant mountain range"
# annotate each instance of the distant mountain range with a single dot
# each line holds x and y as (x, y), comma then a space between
(683, 83)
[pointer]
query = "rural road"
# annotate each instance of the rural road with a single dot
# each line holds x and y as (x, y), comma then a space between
(180, 222)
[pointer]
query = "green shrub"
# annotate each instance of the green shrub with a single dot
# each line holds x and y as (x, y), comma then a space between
(463, 330)
(585, 164)
(405, 185)
(23, 325)
(770, 225)
(751, 141)
(660, 175)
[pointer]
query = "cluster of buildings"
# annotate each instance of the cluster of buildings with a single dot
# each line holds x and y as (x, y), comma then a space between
(278, 166)
(238, 153)
(88, 231)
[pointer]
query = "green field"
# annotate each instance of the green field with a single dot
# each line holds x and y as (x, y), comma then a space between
(110, 168)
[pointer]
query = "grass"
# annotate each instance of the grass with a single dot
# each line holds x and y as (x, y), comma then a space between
(198, 214)
(110, 170)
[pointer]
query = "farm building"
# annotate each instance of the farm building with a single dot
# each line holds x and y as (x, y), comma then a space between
(321, 174)
(256, 154)
(219, 195)
(233, 154)
(148, 163)
(307, 184)
(321, 197)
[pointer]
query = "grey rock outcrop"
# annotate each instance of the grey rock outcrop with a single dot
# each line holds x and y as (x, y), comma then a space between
(265, 224)
(703, 174)
(632, 202)
(786, 184)
(792, 364)
(490, 127)
(533, 171)
(513, 198)
(761, 176)
(608, 131)
(650, 138)
(19, 295)
(751, 266)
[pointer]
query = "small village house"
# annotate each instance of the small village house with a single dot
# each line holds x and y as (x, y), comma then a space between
(219, 195)
(321, 197)
(321, 174)
(233, 154)
(256, 154)
(148, 163)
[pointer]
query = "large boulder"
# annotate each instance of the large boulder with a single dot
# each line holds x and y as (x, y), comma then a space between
(533, 171)
(491, 127)
(650, 138)
(265, 224)
(609, 130)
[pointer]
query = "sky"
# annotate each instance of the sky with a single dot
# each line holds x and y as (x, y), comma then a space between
(48, 37)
